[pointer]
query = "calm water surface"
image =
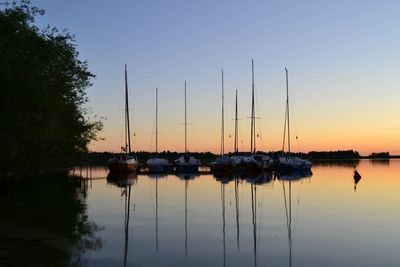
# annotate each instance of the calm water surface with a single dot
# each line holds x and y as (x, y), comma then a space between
(321, 220)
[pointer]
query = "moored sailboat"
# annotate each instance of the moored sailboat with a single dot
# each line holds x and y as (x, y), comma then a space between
(125, 162)
(156, 164)
(222, 163)
(186, 163)
(237, 159)
(255, 162)
(288, 163)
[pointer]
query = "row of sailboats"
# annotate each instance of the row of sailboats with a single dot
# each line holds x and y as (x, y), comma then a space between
(253, 162)
(127, 162)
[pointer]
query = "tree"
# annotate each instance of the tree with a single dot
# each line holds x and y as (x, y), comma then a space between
(44, 122)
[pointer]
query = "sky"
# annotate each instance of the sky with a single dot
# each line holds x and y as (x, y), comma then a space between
(343, 59)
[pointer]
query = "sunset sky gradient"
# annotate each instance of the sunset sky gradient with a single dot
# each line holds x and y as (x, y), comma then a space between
(343, 59)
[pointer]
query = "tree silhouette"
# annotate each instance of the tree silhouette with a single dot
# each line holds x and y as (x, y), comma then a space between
(44, 124)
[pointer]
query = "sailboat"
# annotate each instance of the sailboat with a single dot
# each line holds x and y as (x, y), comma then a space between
(156, 164)
(186, 163)
(255, 162)
(222, 163)
(288, 163)
(237, 160)
(125, 162)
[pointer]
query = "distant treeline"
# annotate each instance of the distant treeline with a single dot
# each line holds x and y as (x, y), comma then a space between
(335, 155)
(208, 157)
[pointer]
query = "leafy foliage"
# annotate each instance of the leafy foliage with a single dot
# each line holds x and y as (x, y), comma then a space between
(44, 124)
(44, 222)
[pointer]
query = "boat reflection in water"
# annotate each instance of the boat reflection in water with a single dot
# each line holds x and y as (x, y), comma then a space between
(294, 176)
(186, 177)
(287, 196)
(254, 179)
(156, 177)
(125, 182)
(122, 180)
(224, 180)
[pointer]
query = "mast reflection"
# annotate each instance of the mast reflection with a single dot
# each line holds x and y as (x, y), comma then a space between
(223, 222)
(124, 181)
(157, 176)
(237, 212)
(186, 177)
(254, 219)
(288, 212)
(287, 195)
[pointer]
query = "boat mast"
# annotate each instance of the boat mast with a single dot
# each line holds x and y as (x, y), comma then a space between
(236, 149)
(186, 151)
(287, 108)
(156, 120)
(222, 120)
(127, 128)
(253, 128)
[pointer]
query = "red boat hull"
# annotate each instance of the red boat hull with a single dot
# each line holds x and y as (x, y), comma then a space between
(123, 167)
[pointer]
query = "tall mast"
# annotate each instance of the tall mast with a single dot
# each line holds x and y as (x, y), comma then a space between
(253, 128)
(222, 120)
(185, 123)
(127, 128)
(236, 149)
(287, 107)
(156, 120)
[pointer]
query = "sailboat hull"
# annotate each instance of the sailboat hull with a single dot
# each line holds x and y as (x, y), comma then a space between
(221, 167)
(158, 168)
(187, 168)
(187, 164)
(122, 166)
(159, 165)
(289, 164)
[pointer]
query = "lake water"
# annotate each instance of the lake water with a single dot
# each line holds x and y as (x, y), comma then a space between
(320, 220)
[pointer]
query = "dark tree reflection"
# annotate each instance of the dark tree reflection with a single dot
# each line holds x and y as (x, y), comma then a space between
(44, 222)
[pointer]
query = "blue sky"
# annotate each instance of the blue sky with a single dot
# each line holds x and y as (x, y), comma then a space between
(342, 56)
